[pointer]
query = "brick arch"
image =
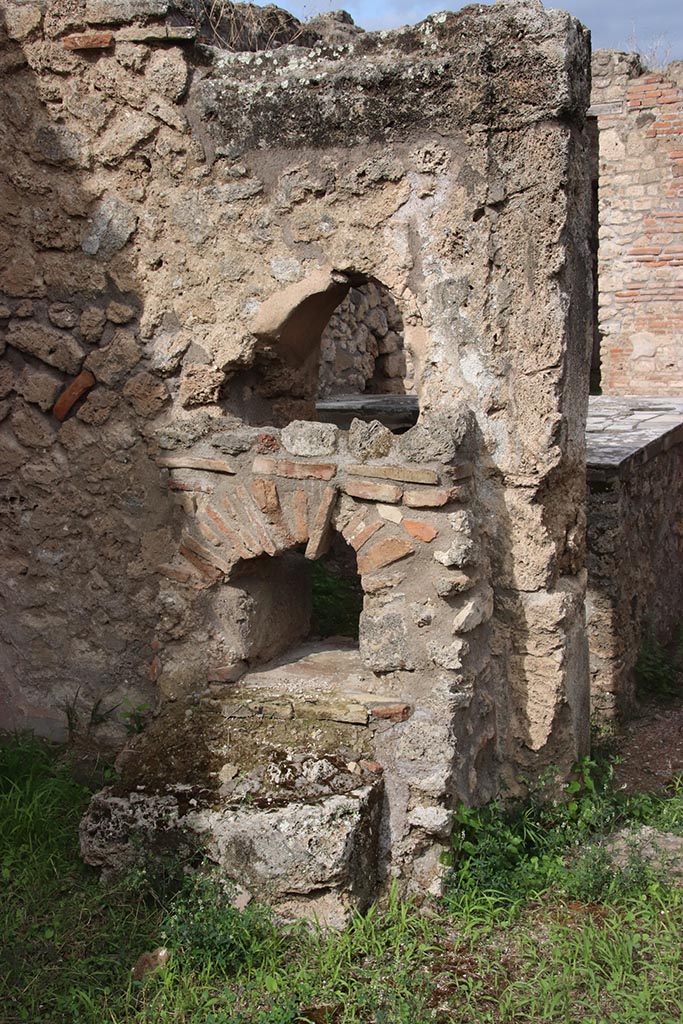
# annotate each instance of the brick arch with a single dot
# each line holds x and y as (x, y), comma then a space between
(283, 504)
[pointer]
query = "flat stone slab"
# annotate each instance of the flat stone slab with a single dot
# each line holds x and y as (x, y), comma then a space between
(625, 431)
(398, 412)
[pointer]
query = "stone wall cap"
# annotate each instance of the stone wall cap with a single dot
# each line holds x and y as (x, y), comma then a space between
(625, 431)
(512, 64)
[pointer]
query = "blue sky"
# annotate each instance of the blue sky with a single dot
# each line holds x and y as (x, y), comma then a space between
(614, 23)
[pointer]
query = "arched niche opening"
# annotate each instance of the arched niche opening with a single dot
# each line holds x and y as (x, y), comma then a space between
(336, 593)
(331, 347)
(362, 348)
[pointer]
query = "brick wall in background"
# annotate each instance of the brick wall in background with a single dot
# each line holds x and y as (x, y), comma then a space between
(640, 260)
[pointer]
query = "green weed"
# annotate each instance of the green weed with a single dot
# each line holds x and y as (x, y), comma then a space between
(537, 925)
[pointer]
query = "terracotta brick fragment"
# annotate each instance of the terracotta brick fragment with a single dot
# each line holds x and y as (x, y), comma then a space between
(384, 552)
(426, 497)
(294, 470)
(391, 712)
(421, 531)
(176, 573)
(263, 531)
(195, 462)
(373, 491)
(460, 470)
(321, 523)
(207, 570)
(208, 533)
(232, 535)
(407, 474)
(70, 395)
(296, 514)
(247, 537)
(212, 558)
(355, 524)
(88, 41)
(266, 496)
(194, 485)
(364, 535)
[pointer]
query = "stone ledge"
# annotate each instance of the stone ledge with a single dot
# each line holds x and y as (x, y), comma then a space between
(623, 433)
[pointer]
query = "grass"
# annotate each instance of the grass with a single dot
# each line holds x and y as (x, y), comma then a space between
(536, 925)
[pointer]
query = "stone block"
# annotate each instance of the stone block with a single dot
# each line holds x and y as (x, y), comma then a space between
(404, 474)
(71, 394)
(390, 513)
(55, 144)
(112, 364)
(111, 225)
(449, 656)
(307, 439)
(6, 379)
(476, 607)
(120, 313)
(21, 19)
(457, 582)
(31, 428)
(200, 385)
(167, 73)
(146, 393)
(293, 470)
(156, 34)
(39, 387)
(384, 642)
(370, 490)
(98, 407)
(111, 12)
(369, 440)
(384, 552)
(55, 348)
(62, 314)
(120, 138)
(196, 462)
(92, 323)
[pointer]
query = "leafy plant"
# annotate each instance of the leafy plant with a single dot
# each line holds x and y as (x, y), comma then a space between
(135, 717)
(204, 924)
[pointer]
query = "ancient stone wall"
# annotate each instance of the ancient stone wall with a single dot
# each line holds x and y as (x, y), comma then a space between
(180, 223)
(362, 349)
(640, 271)
(635, 540)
